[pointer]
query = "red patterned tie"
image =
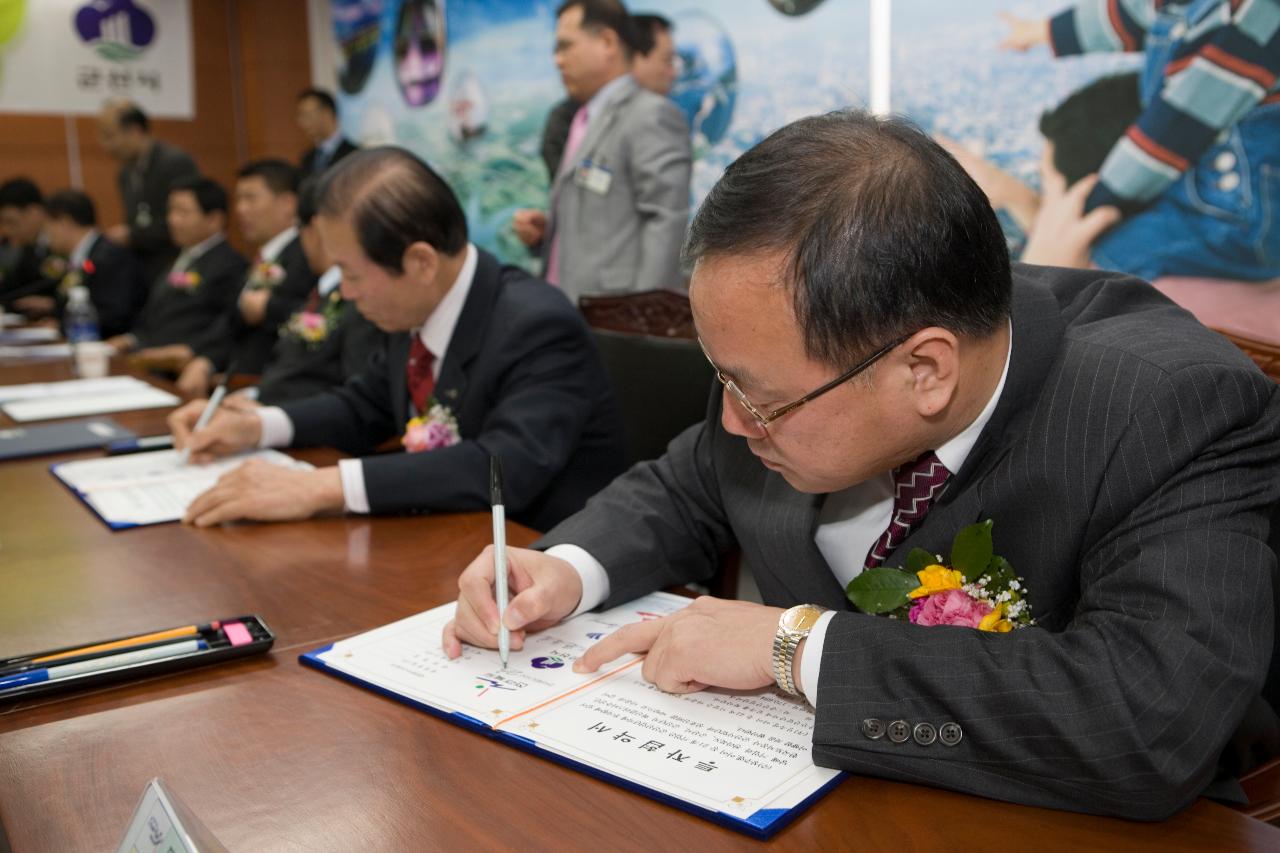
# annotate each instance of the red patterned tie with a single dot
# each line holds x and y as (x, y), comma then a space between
(418, 374)
(915, 485)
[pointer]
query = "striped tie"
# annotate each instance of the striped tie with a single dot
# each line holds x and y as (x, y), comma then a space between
(915, 485)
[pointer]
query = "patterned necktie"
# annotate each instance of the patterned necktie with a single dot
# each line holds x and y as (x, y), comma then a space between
(577, 133)
(418, 374)
(915, 485)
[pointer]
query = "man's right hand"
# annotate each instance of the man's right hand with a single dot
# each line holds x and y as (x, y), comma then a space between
(530, 226)
(1024, 33)
(235, 427)
(196, 377)
(543, 590)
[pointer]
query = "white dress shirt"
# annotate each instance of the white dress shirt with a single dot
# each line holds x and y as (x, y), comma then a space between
(849, 523)
(272, 248)
(80, 253)
(191, 254)
(277, 429)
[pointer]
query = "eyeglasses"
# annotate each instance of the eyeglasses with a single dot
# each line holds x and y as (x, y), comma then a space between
(764, 420)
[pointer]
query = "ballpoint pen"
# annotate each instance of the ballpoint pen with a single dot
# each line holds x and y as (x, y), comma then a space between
(499, 556)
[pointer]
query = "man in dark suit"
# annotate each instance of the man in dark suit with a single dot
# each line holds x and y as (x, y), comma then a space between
(189, 306)
(277, 282)
(483, 360)
(326, 341)
(317, 117)
(94, 262)
(148, 170)
(34, 270)
(1128, 457)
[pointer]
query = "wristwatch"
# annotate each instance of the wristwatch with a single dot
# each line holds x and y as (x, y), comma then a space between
(793, 626)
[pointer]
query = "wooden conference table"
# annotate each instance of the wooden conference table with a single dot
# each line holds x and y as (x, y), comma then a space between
(272, 756)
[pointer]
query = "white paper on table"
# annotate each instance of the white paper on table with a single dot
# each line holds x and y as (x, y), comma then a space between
(99, 403)
(33, 335)
(69, 387)
(151, 488)
(36, 351)
(725, 751)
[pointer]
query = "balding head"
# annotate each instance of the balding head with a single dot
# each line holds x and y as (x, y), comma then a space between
(123, 129)
(391, 200)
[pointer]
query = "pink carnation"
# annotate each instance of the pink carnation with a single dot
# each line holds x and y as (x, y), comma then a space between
(949, 607)
(439, 435)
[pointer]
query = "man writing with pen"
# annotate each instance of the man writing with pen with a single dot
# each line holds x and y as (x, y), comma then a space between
(482, 360)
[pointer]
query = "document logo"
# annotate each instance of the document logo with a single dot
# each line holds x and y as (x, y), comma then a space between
(553, 662)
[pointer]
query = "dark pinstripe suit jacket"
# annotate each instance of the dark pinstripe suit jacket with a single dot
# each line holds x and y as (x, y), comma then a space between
(1129, 467)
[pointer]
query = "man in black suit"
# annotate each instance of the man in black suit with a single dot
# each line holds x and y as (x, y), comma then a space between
(148, 170)
(317, 117)
(94, 262)
(483, 360)
(326, 341)
(34, 270)
(1128, 457)
(277, 282)
(189, 306)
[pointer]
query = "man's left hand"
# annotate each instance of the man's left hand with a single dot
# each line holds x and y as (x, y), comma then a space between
(35, 307)
(261, 491)
(711, 643)
(253, 306)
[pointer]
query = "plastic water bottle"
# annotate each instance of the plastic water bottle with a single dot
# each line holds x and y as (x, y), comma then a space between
(81, 318)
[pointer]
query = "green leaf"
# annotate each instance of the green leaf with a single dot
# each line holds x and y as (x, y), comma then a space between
(1000, 573)
(920, 559)
(881, 590)
(971, 551)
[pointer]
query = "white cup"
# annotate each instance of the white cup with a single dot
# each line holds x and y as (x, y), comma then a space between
(93, 359)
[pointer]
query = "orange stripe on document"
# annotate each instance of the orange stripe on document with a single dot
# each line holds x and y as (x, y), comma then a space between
(577, 689)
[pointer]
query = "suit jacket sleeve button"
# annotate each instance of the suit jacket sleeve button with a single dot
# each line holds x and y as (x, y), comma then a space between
(950, 734)
(873, 728)
(924, 734)
(899, 731)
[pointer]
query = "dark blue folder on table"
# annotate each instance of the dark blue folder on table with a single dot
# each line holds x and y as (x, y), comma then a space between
(20, 442)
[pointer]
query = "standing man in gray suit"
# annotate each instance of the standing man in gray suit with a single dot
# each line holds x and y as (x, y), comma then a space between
(619, 201)
(1128, 456)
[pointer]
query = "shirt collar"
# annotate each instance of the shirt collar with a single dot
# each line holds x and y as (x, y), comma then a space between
(329, 281)
(331, 143)
(273, 247)
(601, 99)
(200, 248)
(954, 452)
(438, 330)
(81, 252)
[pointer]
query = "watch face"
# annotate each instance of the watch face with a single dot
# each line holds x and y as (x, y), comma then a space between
(801, 618)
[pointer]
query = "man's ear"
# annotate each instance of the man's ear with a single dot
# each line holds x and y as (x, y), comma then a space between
(421, 261)
(933, 355)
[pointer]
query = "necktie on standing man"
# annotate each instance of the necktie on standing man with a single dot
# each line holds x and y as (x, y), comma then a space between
(577, 132)
(421, 381)
(915, 486)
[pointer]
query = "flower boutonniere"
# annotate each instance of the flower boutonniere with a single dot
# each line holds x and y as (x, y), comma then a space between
(437, 429)
(265, 274)
(187, 280)
(75, 277)
(54, 267)
(975, 588)
(314, 327)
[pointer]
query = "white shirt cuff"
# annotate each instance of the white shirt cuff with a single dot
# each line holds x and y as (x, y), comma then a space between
(595, 580)
(354, 497)
(277, 429)
(811, 663)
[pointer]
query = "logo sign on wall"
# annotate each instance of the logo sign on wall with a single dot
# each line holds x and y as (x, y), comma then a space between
(68, 56)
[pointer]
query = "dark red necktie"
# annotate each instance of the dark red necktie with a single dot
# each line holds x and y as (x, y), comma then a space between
(915, 485)
(418, 374)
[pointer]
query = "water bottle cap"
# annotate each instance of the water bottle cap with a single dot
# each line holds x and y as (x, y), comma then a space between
(79, 294)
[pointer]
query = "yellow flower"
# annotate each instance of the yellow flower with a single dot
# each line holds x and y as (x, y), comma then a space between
(995, 621)
(936, 579)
